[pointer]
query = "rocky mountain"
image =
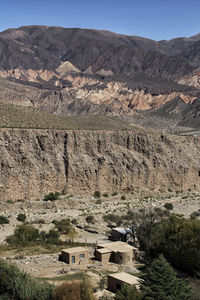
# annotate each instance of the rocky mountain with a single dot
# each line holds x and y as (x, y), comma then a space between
(62, 93)
(46, 48)
(80, 71)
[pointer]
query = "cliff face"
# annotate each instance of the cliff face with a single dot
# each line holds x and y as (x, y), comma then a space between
(36, 162)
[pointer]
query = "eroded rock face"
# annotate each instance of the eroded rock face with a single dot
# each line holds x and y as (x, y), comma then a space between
(36, 162)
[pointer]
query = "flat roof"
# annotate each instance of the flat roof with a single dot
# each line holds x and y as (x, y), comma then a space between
(126, 278)
(75, 250)
(104, 250)
(117, 246)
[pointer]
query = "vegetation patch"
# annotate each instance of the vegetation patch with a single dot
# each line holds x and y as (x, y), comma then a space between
(4, 220)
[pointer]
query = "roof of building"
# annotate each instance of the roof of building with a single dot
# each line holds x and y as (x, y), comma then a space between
(122, 230)
(117, 246)
(104, 250)
(75, 250)
(126, 278)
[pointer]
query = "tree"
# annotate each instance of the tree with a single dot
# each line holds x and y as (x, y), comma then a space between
(178, 239)
(16, 284)
(142, 225)
(128, 292)
(64, 226)
(161, 283)
(23, 235)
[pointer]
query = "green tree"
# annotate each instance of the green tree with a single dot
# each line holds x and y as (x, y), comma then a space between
(23, 235)
(161, 283)
(128, 292)
(51, 237)
(143, 224)
(178, 239)
(18, 285)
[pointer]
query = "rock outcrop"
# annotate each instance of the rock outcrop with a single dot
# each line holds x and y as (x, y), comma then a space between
(36, 162)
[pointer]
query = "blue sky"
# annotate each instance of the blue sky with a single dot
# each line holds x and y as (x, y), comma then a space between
(155, 19)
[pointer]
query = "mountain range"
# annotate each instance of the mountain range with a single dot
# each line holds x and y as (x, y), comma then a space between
(91, 72)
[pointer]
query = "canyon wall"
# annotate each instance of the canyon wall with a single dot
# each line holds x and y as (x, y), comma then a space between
(36, 162)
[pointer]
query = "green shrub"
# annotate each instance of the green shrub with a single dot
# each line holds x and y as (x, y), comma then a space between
(10, 202)
(74, 221)
(114, 194)
(51, 196)
(23, 235)
(105, 195)
(4, 220)
(112, 218)
(21, 217)
(40, 221)
(195, 214)
(128, 292)
(98, 201)
(123, 197)
(16, 284)
(168, 206)
(90, 219)
(64, 226)
(52, 237)
(97, 194)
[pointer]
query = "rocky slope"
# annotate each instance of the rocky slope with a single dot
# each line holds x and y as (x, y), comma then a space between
(94, 96)
(36, 162)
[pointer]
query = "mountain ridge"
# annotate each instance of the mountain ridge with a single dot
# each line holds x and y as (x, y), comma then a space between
(81, 71)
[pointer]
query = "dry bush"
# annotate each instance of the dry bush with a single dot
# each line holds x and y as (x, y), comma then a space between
(68, 291)
(74, 290)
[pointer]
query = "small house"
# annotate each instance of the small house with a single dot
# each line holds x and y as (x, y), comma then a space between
(75, 255)
(116, 280)
(120, 234)
(117, 252)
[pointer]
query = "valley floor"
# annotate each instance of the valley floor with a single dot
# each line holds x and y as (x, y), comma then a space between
(43, 262)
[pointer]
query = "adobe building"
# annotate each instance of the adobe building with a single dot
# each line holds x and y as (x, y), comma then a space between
(120, 234)
(75, 255)
(117, 252)
(116, 280)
